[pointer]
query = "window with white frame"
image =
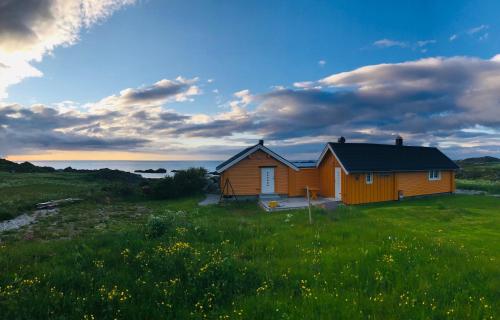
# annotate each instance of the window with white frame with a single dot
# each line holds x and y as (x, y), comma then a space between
(434, 175)
(369, 178)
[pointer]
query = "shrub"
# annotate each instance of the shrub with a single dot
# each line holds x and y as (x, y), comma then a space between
(120, 189)
(184, 183)
(115, 175)
(191, 181)
(5, 214)
(158, 225)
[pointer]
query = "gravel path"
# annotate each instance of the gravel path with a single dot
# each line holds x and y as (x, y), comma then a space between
(210, 199)
(44, 209)
(26, 219)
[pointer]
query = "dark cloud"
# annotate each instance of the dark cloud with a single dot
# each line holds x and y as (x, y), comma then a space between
(216, 128)
(432, 97)
(179, 89)
(19, 18)
(453, 103)
(44, 118)
(19, 142)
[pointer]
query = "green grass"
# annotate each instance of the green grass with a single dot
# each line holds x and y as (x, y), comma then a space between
(488, 186)
(21, 191)
(481, 177)
(429, 258)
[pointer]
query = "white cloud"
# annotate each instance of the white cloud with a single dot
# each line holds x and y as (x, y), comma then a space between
(31, 29)
(387, 43)
(477, 29)
(419, 45)
(304, 84)
(449, 102)
(321, 63)
(423, 43)
(453, 37)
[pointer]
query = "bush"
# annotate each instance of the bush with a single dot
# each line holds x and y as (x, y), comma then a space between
(190, 181)
(114, 175)
(120, 189)
(158, 225)
(184, 183)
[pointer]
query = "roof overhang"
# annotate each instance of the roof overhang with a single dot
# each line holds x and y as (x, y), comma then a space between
(254, 149)
(323, 154)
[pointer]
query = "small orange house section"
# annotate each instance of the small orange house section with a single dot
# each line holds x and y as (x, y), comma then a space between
(298, 180)
(381, 189)
(418, 183)
(326, 170)
(245, 175)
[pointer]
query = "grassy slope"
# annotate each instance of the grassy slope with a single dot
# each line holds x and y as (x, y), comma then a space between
(424, 258)
(21, 191)
(482, 177)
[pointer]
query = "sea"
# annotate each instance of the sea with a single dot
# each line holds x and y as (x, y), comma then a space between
(131, 166)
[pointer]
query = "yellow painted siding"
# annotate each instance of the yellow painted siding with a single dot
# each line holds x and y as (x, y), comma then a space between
(358, 191)
(418, 183)
(325, 170)
(298, 180)
(245, 175)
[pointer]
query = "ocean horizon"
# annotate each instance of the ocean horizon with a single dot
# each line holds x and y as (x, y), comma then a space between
(130, 165)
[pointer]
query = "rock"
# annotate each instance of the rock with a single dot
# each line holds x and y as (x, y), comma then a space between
(160, 170)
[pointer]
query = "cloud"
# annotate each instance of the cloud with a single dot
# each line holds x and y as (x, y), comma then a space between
(479, 32)
(423, 43)
(432, 101)
(30, 29)
(134, 119)
(321, 63)
(159, 93)
(387, 43)
(419, 45)
(477, 29)
(451, 102)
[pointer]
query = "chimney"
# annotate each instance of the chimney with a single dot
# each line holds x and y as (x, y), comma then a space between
(399, 141)
(261, 142)
(341, 140)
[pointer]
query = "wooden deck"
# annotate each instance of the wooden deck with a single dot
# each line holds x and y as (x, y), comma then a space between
(298, 203)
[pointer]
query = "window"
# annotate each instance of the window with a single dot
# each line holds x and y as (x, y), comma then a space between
(369, 178)
(434, 175)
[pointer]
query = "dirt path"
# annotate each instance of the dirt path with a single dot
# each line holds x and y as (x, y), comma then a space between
(43, 210)
(26, 219)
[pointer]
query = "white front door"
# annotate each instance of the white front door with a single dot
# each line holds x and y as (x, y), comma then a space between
(338, 184)
(267, 180)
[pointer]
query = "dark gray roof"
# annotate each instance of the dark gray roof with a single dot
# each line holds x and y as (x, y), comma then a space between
(236, 156)
(366, 157)
(234, 159)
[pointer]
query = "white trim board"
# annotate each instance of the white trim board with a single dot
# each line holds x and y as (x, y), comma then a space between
(325, 149)
(254, 149)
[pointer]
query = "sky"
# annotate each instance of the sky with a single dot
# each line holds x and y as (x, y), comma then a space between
(173, 80)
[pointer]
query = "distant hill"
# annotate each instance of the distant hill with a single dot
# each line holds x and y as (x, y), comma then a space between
(478, 160)
(9, 166)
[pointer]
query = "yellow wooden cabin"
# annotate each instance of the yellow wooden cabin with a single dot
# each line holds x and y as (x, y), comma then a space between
(353, 173)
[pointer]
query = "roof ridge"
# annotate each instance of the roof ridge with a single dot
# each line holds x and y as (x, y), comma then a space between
(378, 144)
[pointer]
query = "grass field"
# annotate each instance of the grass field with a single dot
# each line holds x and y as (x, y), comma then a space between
(488, 186)
(425, 258)
(482, 177)
(21, 191)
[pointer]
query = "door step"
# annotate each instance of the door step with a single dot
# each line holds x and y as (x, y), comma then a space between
(269, 196)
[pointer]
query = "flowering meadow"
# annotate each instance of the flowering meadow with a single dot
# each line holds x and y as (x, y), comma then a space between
(432, 258)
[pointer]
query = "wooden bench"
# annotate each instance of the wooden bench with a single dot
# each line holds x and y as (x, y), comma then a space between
(313, 192)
